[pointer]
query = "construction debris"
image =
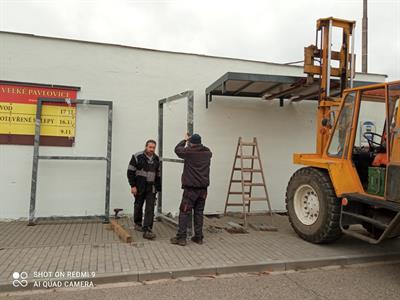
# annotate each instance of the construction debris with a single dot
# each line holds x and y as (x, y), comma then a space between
(213, 229)
(235, 228)
(263, 227)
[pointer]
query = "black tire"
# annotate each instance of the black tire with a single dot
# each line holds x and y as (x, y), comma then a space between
(326, 228)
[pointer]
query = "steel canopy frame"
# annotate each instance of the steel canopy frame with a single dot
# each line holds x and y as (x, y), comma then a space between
(189, 95)
(36, 155)
(269, 87)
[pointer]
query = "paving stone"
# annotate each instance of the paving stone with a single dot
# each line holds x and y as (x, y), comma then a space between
(69, 246)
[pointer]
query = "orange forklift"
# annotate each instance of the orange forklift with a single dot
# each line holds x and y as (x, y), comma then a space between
(351, 184)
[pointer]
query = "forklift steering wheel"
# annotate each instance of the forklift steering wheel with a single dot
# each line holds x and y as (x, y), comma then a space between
(369, 136)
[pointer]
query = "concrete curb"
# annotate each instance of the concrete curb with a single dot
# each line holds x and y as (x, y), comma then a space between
(266, 266)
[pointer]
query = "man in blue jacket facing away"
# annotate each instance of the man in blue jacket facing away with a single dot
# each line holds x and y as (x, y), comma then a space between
(195, 181)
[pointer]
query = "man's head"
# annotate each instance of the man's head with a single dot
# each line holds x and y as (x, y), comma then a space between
(195, 139)
(150, 147)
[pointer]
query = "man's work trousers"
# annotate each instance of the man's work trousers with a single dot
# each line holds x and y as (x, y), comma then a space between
(193, 199)
(149, 197)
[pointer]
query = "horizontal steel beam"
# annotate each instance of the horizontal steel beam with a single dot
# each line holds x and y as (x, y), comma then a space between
(167, 219)
(250, 77)
(175, 97)
(71, 218)
(172, 160)
(73, 157)
(283, 93)
(217, 83)
(243, 87)
(76, 101)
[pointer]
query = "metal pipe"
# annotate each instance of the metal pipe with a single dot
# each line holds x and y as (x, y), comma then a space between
(108, 170)
(190, 108)
(176, 160)
(364, 50)
(328, 63)
(169, 220)
(160, 149)
(72, 157)
(353, 63)
(35, 163)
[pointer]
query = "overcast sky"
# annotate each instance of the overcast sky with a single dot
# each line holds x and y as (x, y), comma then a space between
(269, 30)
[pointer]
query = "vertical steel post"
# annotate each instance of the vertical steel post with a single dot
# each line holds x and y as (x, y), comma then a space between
(364, 53)
(353, 58)
(328, 62)
(190, 105)
(35, 163)
(108, 174)
(160, 149)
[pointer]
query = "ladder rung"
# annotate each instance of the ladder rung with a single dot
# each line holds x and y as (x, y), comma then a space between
(248, 144)
(256, 199)
(238, 193)
(238, 180)
(246, 156)
(254, 184)
(237, 204)
(247, 170)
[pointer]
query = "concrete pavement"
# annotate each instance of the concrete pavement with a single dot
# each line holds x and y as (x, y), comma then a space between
(355, 282)
(96, 255)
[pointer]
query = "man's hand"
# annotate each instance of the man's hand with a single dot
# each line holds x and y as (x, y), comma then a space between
(134, 190)
(187, 136)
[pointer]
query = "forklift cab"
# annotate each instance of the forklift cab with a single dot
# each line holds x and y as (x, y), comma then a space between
(368, 130)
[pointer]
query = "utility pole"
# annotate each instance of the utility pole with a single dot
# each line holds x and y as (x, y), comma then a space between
(364, 50)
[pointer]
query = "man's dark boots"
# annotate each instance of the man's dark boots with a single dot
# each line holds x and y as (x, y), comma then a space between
(138, 227)
(197, 240)
(176, 241)
(149, 235)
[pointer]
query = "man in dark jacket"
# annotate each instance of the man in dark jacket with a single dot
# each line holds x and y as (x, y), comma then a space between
(145, 180)
(195, 180)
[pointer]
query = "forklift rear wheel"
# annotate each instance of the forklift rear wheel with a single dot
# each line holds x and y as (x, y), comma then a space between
(312, 206)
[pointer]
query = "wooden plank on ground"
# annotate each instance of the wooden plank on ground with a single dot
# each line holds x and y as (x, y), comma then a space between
(120, 231)
(235, 228)
(263, 227)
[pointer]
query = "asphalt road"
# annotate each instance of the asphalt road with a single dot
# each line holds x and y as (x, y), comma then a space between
(372, 281)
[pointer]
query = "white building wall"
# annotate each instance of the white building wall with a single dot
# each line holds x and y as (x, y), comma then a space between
(135, 79)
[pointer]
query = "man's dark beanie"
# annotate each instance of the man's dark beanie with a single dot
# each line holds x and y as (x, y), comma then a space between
(195, 139)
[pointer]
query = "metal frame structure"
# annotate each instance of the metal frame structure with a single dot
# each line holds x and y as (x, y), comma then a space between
(270, 87)
(190, 101)
(37, 157)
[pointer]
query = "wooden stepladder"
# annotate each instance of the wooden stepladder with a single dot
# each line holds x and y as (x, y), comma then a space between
(247, 168)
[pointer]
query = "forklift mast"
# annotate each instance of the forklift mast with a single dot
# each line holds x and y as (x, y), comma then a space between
(318, 60)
